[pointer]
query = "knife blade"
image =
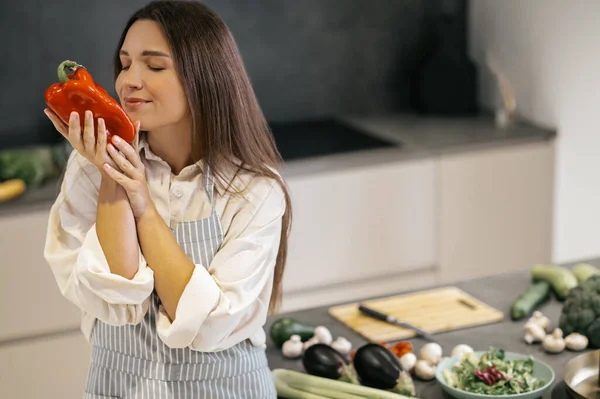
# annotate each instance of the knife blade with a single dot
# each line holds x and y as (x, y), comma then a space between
(393, 320)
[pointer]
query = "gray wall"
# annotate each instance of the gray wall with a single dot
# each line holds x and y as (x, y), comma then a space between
(306, 58)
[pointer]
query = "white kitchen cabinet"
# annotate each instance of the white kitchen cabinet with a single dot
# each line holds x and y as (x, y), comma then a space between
(55, 367)
(496, 208)
(30, 301)
(361, 231)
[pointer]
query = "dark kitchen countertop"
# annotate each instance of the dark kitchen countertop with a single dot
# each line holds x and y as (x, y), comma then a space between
(417, 138)
(443, 135)
(413, 137)
(498, 291)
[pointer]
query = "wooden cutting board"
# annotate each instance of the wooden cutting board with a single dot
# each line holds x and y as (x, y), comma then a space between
(436, 310)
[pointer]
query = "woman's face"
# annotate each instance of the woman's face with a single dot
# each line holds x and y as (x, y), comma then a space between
(148, 86)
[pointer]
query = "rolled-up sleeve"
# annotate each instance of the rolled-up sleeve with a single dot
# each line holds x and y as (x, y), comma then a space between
(77, 260)
(228, 302)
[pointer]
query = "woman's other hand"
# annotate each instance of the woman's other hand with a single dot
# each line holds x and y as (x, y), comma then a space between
(129, 174)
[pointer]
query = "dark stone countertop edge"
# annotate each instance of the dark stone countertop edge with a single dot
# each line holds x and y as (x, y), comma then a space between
(369, 158)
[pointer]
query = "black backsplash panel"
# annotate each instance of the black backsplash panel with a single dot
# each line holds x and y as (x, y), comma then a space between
(306, 59)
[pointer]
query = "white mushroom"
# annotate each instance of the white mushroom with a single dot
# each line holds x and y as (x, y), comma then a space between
(461, 349)
(323, 335)
(554, 343)
(576, 341)
(408, 361)
(432, 352)
(539, 319)
(534, 333)
(310, 342)
(424, 370)
(292, 347)
(342, 345)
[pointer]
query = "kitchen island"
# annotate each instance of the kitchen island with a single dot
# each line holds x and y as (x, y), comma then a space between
(498, 291)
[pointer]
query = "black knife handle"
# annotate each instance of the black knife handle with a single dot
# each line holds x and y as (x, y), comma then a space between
(391, 319)
(373, 313)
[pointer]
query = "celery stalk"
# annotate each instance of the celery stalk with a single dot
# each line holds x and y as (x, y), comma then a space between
(286, 391)
(329, 393)
(296, 385)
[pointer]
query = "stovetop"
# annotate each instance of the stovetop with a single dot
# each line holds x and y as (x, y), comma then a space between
(326, 136)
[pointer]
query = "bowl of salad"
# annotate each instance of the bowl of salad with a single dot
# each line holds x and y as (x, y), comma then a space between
(494, 373)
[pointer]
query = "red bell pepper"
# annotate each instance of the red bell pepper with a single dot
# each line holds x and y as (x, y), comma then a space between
(78, 92)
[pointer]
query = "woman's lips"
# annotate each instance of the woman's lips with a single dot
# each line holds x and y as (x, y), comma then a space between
(134, 104)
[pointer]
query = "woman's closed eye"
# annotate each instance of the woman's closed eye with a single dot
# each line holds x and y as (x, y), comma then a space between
(150, 67)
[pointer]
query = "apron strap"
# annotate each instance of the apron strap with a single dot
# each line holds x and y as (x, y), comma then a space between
(209, 187)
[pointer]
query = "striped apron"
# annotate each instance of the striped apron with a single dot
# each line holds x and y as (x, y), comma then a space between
(132, 362)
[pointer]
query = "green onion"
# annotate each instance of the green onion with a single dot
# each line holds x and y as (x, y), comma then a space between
(330, 394)
(296, 385)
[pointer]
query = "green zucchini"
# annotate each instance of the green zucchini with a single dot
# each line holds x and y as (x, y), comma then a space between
(528, 301)
(561, 279)
(283, 328)
(583, 271)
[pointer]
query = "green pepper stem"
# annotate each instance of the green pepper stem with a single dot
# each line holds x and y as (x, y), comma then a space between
(62, 75)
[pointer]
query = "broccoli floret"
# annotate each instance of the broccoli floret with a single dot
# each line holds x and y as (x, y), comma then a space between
(581, 311)
(32, 165)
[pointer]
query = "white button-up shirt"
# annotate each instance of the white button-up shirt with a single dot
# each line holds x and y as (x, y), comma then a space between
(224, 303)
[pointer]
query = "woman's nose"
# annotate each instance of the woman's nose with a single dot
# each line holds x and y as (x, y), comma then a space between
(132, 79)
(133, 83)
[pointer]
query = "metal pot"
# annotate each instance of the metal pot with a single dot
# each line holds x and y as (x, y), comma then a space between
(582, 376)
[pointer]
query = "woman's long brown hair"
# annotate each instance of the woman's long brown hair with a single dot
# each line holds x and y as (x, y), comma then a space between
(227, 120)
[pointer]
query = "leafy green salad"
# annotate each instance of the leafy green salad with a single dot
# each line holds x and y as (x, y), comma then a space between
(492, 374)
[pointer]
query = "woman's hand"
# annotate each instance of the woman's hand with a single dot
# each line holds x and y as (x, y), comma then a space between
(129, 174)
(87, 144)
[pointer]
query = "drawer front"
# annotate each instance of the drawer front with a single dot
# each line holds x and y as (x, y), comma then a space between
(29, 298)
(49, 368)
(361, 224)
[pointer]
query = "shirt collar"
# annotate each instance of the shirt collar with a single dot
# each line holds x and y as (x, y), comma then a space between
(145, 152)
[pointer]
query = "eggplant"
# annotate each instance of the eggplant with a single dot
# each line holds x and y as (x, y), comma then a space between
(323, 361)
(378, 367)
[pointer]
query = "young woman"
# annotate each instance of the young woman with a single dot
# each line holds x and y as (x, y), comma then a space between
(174, 247)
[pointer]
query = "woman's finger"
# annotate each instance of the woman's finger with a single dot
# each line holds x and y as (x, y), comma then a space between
(129, 152)
(101, 141)
(136, 141)
(122, 162)
(118, 177)
(75, 131)
(89, 141)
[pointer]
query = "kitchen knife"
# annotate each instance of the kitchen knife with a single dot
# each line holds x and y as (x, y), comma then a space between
(392, 320)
